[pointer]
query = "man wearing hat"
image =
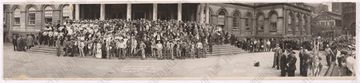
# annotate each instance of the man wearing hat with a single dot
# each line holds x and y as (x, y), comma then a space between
(283, 63)
(277, 53)
(302, 61)
(291, 64)
(328, 53)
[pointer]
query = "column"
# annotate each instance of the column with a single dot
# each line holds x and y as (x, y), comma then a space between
(128, 11)
(155, 10)
(202, 19)
(71, 12)
(77, 11)
(179, 8)
(102, 12)
(207, 14)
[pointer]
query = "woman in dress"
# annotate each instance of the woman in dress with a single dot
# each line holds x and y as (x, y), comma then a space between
(98, 53)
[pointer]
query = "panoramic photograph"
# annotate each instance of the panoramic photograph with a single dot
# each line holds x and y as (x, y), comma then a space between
(179, 40)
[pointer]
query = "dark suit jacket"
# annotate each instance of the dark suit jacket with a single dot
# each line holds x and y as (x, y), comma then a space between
(283, 62)
(291, 62)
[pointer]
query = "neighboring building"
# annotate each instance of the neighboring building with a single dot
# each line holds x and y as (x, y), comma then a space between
(327, 25)
(318, 8)
(337, 7)
(245, 20)
(31, 18)
(349, 15)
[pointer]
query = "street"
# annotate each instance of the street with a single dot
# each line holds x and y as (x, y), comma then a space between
(24, 65)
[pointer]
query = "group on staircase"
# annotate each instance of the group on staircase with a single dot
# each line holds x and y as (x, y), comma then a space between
(116, 38)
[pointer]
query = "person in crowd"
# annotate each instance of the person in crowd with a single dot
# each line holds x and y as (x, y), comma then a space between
(142, 46)
(98, 47)
(58, 48)
(277, 53)
(29, 41)
(291, 62)
(329, 55)
(283, 63)
(159, 50)
(15, 37)
(302, 60)
(199, 50)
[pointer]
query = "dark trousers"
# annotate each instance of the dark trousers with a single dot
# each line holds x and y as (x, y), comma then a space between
(328, 60)
(122, 53)
(15, 46)
(303, 69)
(291, 73)
(58, 51)
(283, 73)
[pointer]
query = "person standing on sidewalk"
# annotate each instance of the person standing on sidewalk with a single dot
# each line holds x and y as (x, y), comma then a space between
(291, 64)
(283, 63)
(277, 55)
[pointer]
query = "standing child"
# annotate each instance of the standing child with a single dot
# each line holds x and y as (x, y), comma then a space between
(172, 50)
(192, 50)
(142, 49)
(199, 50)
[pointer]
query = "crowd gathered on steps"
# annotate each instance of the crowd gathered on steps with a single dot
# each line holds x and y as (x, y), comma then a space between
(116, 38)
(161, 39)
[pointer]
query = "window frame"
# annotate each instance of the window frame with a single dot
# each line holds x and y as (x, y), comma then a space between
(261, 23)
(273, 24)
(50, 10)
(15, 17)
(31, 11)
(30, 20)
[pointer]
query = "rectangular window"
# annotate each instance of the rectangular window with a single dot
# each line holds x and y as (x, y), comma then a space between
(248, 28)
(31, 18)
(48, 20)
(261, 28)
(65, 17)
(221, 20)
(273, 27)
(17, 21)
(235, 22)
(247, 22)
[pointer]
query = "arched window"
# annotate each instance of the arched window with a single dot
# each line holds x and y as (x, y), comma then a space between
(273, 21)
(48, 14)
(31, 16)
(17, 15)
(236, 18)
(260, 23)
(289, 21)
(221, 18)
(248, 21)
(66, 11)
(296, 23)
(301, 24)
(306, 28)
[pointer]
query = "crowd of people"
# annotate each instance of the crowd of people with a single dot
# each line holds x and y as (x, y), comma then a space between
(340, 53)
(23, 42)
(116, 38)
(161, 39)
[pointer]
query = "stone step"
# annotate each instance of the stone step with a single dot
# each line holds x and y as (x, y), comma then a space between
(43, 49)
(217, 50)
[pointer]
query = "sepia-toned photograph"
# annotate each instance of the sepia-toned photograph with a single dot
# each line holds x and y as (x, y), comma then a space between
(179, 40)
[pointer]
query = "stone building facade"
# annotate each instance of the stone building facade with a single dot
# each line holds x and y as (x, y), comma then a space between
(327, 24)
(244, 20)
(263, 20)
(349, 15)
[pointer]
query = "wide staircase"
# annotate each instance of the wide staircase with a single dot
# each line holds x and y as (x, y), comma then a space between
(225, 49)
(43, 49)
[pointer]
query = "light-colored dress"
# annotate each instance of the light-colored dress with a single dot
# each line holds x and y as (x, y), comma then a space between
(98, 50)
